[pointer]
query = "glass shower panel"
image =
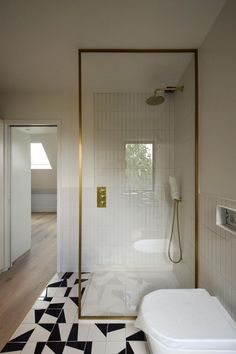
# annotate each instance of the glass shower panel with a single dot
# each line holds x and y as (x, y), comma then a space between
(128, 156)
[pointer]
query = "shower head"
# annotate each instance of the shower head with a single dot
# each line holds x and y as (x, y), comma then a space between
(156, 99)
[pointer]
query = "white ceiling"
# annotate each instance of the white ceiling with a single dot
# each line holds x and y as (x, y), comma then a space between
(38, 130)
(39, 39)
(128, 72)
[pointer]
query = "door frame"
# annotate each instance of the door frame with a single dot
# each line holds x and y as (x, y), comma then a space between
(2, 191)
(7, 134)
(82, 51)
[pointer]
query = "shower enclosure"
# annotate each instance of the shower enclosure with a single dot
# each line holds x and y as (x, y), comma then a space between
(129, 149)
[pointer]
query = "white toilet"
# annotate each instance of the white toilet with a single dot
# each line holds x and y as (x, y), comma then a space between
(186, 321)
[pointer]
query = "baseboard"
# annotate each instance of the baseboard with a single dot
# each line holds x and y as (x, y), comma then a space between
(44, 203)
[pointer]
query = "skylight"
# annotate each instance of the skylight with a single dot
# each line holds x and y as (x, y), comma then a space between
(39, 159)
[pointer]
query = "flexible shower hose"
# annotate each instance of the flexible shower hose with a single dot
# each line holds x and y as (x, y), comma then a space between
(175, 211)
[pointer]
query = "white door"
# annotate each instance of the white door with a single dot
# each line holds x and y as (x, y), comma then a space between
(1, 195)
(20, 193)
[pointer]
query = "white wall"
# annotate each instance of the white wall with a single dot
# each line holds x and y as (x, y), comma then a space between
(44, 202)
(110, 234)
(44, 182)
(217, 155)
(62, 107)
(184, 164)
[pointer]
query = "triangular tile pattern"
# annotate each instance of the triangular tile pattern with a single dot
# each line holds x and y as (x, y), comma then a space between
(51, 326)
(73, 336)
(123, 351)
(102, 327)
(13, 347)
(39, 347)
(129, 349)
(23, 337)
(139, 336)
(55, 335)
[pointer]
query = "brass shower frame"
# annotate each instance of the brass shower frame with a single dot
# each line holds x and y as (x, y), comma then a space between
(137, 51)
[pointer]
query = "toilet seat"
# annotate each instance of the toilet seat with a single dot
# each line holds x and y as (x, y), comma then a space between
(187, 319)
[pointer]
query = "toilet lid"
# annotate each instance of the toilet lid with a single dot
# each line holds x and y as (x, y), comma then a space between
(187, 318)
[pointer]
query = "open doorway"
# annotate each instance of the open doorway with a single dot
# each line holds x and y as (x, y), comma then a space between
(33, 210)
(31, 194)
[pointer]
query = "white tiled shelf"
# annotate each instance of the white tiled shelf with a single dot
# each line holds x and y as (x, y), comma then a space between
(226, 218)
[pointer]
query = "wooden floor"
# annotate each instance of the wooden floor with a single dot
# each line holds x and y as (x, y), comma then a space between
(21, 285)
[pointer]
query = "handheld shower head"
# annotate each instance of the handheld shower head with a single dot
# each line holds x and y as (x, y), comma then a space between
(174, 189)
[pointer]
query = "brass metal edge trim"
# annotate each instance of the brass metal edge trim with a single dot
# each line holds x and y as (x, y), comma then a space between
(135, 50)
(116, 50)
(196, 171)
(80, 185)
(108, 317)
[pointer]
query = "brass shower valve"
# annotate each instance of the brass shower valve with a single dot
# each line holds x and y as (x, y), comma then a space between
(101, 197)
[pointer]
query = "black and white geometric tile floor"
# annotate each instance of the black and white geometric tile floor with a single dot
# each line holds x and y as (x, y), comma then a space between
(52, 326)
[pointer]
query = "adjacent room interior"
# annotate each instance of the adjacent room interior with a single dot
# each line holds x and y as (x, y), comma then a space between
(31, 217)
(33, 192)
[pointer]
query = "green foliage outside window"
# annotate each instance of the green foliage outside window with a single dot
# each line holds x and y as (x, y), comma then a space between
(139, 166)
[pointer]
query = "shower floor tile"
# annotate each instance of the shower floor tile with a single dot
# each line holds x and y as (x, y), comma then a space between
(120, 293)
(52, 325)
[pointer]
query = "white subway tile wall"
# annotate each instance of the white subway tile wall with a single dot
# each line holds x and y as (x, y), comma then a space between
(217, 250)
(109, 234)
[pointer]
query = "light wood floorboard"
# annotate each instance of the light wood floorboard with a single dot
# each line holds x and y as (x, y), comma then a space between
(22, 284)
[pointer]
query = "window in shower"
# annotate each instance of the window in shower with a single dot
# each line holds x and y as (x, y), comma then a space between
(139, 166)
